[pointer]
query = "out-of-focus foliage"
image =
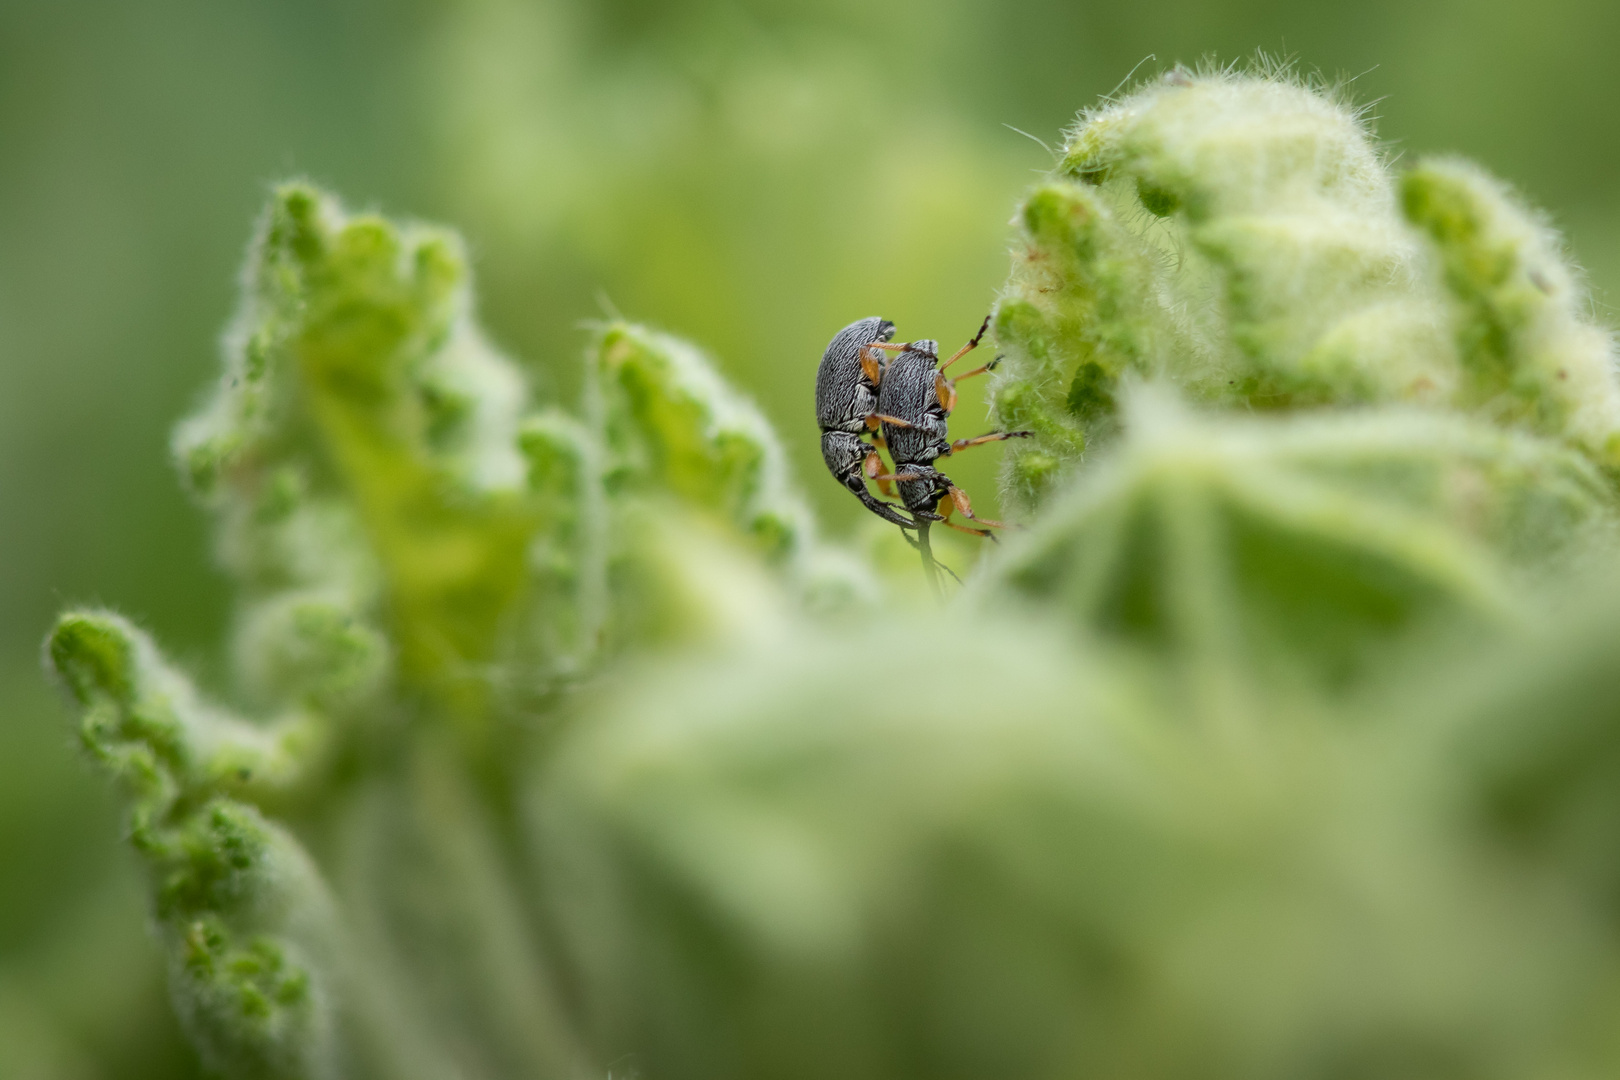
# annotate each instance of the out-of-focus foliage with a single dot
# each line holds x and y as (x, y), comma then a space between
(1245, 238)
(576, 746)
(1196, 541)
(423, 566)
(751, 175)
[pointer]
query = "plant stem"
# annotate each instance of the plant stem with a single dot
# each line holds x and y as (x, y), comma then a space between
(929, 566)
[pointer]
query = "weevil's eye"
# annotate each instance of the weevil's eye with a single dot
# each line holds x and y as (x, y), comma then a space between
(885, 330)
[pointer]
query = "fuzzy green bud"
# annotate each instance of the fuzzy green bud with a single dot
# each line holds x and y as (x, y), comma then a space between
(1530, 355)
(673, 428)
(1243, 236)
(241, 909)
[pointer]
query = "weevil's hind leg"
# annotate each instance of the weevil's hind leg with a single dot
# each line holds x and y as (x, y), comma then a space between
(972, 344)
(878, 418)
(872, 466)
(994, 436)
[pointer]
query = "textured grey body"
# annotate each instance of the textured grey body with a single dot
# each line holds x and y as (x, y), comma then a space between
(845, 454)
(908, 393)
(845, 398)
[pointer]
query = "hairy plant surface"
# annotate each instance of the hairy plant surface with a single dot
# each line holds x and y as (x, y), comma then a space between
(563, 745)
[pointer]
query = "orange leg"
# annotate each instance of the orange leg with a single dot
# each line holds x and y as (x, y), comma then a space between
(872, 366)
(944, 510)
(900, 477)
(872, 467)
(970, 346)
(945, 391)
(878, 418)
(994, 436)
(959, 497)
(991, 366)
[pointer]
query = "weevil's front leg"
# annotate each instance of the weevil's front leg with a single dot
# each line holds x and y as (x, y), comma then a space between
(875, 463)
(959, 497)
(946, 506)
(972, 344)
(994, 436)
(944, 392)
(986, 533)
(872, 467)
(878, 418)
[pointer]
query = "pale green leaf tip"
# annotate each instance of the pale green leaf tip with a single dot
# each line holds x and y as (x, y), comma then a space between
(1242, 235)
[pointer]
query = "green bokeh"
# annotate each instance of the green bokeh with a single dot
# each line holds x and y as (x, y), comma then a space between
(751, 175)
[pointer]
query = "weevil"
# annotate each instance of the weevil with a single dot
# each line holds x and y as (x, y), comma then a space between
(915, 399)
(846, 402)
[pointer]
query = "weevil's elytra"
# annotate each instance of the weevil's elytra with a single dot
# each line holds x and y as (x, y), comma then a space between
(845, 396)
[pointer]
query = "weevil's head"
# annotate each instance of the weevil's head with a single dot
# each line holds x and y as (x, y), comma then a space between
(923, 349)
(869, 331)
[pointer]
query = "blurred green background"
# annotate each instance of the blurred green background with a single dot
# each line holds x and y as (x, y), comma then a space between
(749, 174)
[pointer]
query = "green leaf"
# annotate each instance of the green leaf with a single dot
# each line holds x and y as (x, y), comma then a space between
(362, 446)
(1314, 548)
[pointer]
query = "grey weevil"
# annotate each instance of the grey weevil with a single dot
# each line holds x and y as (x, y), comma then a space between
(915, 400)
(846, 403)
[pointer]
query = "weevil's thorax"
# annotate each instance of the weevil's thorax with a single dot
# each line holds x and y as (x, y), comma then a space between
(908, 394)
(845, 397)
(922, 495)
